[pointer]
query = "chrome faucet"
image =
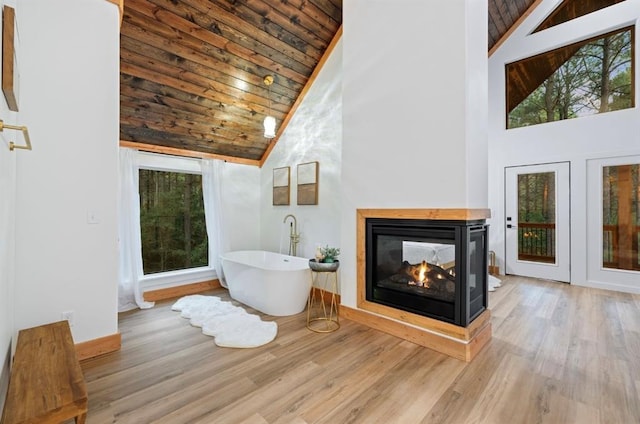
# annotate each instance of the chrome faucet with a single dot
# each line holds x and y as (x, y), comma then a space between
(294, 237)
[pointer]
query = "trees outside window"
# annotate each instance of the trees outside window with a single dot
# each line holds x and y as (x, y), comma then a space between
(172, 222)
(621, 216)
(598, 78)
(537, 217)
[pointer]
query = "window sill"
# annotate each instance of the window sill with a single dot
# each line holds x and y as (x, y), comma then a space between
(177, 278)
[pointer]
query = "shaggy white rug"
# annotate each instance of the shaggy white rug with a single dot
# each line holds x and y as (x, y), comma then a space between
(230, 325)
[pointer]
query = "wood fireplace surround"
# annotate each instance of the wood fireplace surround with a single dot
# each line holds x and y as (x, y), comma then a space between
(462, 341)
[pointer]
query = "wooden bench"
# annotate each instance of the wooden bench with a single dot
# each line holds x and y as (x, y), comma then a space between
(46, 383)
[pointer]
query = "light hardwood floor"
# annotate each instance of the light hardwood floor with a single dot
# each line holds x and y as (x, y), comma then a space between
(559, 354)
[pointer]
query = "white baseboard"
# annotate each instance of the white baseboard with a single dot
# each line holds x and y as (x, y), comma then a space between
(609, 286)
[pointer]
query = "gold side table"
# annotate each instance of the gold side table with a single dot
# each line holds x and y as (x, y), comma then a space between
(322, 306)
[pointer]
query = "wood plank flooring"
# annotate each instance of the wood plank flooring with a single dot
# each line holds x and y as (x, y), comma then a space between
(559, 354)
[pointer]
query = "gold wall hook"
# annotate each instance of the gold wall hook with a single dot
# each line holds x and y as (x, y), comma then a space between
(25, 132)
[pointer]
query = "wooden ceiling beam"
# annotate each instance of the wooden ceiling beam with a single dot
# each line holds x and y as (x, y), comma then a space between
(145, 147)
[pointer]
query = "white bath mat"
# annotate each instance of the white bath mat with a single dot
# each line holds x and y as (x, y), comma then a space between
(230, 325)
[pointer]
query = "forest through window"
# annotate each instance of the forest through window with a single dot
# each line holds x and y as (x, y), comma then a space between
(621, 216)
(172, 222)
(597, 78)
(537, 217)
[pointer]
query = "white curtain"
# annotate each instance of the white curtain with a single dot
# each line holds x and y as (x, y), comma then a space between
(129, 293)
(212, 171)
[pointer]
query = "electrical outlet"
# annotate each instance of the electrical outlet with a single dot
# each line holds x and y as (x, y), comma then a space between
(68, 315)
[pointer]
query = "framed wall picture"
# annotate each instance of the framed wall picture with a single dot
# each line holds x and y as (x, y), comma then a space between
(10, 79)
(308, 183)
(281, 183)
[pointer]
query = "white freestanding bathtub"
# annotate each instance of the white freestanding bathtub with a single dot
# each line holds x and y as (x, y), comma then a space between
(270, 282)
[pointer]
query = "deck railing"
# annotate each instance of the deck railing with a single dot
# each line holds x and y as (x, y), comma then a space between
(610, 247)
(537, 242)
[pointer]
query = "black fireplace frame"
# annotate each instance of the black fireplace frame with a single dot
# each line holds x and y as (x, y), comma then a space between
(464, 309)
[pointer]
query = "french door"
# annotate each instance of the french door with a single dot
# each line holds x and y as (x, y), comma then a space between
(537, 226)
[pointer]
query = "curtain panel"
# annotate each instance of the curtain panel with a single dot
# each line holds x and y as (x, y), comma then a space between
(130, 241)
(212, 182)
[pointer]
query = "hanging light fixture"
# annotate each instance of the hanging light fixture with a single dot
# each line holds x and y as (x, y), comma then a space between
(269, 121)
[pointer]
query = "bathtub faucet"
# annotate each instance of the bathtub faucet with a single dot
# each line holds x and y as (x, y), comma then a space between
(294, 237)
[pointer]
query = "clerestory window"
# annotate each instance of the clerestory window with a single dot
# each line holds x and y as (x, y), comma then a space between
(571, 9)
(585, 78)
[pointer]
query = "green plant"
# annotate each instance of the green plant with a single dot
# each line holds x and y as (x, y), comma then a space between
(329, 254)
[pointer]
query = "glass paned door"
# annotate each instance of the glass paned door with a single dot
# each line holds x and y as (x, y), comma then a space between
(537, 217)
(621, 217)
(537, 221)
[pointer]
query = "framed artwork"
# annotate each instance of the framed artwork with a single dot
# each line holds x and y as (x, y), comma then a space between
(308, 183)
(281, 182)
(10, 80)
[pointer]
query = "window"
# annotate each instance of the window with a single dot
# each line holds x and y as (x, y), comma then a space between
(621, 216)
(537, 217)
(585, 78)
(571, 9)
(172, 221)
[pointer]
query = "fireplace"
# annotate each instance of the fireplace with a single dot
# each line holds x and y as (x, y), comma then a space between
(431, 267)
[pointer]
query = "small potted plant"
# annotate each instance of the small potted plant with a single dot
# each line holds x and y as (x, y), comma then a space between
(326, 259)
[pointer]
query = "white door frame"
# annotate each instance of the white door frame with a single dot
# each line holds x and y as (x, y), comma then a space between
(561, 269)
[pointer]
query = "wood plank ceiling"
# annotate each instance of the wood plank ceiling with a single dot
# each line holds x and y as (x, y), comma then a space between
(191, 71)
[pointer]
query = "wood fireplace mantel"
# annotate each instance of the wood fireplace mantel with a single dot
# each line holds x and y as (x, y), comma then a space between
(460, 342)
(444, 214)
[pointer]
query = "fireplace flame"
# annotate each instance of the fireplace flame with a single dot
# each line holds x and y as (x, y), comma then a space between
(421, 279)
(426, 275)
(423, 271)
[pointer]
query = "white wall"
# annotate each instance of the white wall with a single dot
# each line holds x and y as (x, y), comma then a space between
(314, 134)
(241, 199)
(7, 236)
(69, 99)
(413, 111)
(576, 141)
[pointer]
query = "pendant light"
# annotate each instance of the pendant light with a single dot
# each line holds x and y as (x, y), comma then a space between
(269, 121)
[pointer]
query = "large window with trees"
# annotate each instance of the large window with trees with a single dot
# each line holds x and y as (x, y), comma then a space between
(585, 78)
(172, 221)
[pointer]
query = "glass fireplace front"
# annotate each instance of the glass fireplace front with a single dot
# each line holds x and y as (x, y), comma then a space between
(432, 268)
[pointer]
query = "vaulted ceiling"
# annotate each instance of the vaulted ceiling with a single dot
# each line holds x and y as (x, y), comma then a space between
(192, 71)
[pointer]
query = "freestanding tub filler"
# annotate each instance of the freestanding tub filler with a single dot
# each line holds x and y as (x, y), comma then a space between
(270, 282)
